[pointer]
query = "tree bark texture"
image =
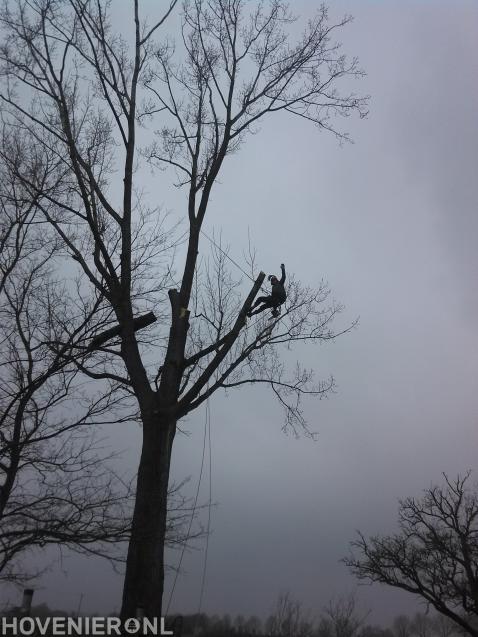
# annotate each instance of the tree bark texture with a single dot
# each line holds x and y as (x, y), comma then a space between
(144, 578)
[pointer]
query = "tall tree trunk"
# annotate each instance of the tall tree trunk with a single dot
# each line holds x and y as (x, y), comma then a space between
(144, 578)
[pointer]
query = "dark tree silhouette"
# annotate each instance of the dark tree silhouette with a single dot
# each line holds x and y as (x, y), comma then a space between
(94, 100)
(289, 619)
(342, 616)
(57, 483)
(434, 555)
(56, 486)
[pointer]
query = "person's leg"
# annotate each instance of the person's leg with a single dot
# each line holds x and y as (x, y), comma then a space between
(259, 300)
(266, 302)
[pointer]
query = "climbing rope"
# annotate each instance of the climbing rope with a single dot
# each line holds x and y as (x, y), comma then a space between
(249, 326)
(226, 255)
(206, 437)
(193, 512)
(231, 259)
(203, 579)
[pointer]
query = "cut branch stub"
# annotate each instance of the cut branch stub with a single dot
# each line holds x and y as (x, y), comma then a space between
(252, 294)
(139, 323)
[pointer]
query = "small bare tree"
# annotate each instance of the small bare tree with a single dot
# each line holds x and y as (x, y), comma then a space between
(81, 94)
(344, 619)
(444, 626)
(402, 626)
(422, 625)
(289, 619)
(435, 553)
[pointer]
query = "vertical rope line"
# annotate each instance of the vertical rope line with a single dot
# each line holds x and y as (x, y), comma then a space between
(192, 514)
(207, 434)
(203, 581)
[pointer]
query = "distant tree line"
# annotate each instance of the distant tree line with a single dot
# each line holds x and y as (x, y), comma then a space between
(340, 618)
(434, 556)
(304, 624)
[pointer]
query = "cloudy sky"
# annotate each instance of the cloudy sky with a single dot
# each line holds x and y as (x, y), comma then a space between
(391, 223)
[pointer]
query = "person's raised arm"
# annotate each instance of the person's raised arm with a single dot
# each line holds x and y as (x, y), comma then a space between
(282, 267)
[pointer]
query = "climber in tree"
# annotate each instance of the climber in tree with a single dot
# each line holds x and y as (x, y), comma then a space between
(275, 299)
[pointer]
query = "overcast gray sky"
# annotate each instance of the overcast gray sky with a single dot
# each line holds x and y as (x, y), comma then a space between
(391, 222)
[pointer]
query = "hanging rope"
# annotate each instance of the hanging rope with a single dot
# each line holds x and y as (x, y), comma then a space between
(203, 580)
(226, 255)
(193, 513)
(248, 327)
(207, 436)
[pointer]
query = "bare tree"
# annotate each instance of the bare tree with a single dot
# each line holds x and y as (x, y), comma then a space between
(422, 625)
(289, 619)
(253, 626)
(435, 553)
(91, 96)
(402, 626)
(345, 621)
(57, 483)
(375, 631)
(444, 626)
(324, 627)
